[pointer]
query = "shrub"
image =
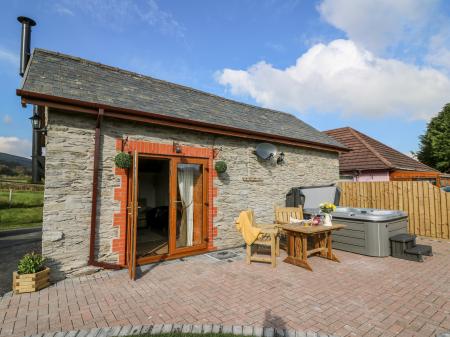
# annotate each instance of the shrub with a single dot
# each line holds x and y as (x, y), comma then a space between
(221, 166)
(31, 263)
(123, 160)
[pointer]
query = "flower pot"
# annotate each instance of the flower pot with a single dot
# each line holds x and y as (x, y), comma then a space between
(327, 220)
(28, 283)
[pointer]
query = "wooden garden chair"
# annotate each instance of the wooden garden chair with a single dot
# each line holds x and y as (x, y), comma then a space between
(283, 215)
(266, 235)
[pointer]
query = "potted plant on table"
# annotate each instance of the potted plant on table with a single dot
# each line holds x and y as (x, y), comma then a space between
(31, 275)
(327, 208)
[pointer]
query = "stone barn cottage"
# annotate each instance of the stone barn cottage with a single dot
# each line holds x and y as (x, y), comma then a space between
(171, 202)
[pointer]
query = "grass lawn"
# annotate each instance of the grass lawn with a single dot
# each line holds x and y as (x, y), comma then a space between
(21, 199)
(180, 334)
(25, 210)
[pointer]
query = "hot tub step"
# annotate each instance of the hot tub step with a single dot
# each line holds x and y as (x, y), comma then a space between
(420, 250)
(412, 257)
(409, 240)
(401, 242)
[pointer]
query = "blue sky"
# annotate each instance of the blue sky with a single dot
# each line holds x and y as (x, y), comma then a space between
(381, 66)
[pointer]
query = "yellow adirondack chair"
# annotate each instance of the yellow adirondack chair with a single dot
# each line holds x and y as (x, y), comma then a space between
(258, 235)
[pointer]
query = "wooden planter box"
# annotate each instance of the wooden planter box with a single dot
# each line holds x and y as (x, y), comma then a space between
(27, 283)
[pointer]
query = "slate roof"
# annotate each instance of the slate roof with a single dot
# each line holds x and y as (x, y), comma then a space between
(68, 77)
(369, 154)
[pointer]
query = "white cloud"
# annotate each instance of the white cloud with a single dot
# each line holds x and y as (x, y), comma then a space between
(438, 52)
(377, 24)
(59, 8)
(16, 146)
(118, 13)
(7, 119)
(8, 56)
(343, 77)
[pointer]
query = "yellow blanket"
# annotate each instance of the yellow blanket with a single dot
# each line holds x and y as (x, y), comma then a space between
(245, 226)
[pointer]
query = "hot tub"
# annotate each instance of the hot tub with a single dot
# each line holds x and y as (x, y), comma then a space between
(368, 230)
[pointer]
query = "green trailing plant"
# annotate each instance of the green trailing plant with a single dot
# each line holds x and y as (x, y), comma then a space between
(123, 160)
(221, 167)
(31, 263)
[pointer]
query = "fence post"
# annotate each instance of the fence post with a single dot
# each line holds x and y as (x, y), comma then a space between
(10, 197)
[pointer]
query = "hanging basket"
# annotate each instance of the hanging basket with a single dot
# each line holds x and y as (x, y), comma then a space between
(123, 160)
(221, 167)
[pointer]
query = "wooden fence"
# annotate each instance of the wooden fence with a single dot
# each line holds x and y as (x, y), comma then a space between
(427, 206)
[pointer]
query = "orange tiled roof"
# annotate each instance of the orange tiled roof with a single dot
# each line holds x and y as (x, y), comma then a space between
(369, 154)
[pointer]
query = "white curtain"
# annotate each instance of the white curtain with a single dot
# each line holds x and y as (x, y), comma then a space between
(186, 186)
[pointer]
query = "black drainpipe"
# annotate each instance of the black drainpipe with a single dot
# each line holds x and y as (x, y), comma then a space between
(36, 151)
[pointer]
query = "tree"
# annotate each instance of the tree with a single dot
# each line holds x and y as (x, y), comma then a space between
(434, 145)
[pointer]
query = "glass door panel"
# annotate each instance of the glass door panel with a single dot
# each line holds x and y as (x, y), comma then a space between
(189, 201)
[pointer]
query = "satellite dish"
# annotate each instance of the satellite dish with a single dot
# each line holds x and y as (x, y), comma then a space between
(266, 151)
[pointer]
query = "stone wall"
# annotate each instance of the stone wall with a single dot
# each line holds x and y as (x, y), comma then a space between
(248, 183)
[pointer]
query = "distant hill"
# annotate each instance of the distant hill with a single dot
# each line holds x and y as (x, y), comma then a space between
(11, 165)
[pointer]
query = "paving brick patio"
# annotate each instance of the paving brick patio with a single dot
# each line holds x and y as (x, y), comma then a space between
(361, 296)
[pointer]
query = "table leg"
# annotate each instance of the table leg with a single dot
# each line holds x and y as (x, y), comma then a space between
(298, 255)
(290, 244)
(298, 247)
(304, 248)
(322, 244)
(330, 254)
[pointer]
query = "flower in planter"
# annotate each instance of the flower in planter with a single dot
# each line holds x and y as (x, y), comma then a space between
(221, 167)
(123, 160)
(31, 263)
(327, 207)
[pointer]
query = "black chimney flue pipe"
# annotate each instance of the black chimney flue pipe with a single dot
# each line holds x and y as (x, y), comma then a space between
(25, 53)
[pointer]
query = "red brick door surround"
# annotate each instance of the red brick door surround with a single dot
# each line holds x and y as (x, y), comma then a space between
(121, 192)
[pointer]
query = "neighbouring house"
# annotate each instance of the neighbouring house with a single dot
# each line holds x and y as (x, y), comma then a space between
(171, 202)
(371, 160)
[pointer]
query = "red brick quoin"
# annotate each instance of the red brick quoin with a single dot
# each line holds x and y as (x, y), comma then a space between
(121, 192)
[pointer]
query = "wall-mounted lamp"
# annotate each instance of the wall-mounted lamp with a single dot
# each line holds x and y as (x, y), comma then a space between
(176, 147)
(280, 159)
(36, 123)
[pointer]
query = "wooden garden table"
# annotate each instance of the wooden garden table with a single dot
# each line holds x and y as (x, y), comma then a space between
(297, 243)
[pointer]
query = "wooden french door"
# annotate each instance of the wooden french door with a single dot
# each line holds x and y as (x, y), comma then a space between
(189, 205)
(188, 209)
(132, 216)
